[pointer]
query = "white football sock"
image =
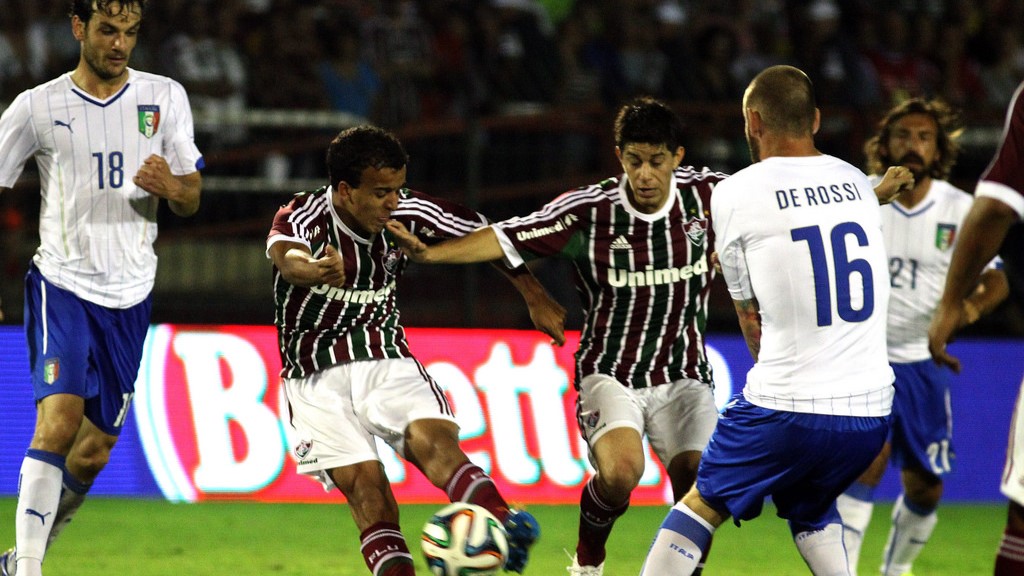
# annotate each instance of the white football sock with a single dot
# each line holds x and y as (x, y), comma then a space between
(909, 533)
(856, 514)
(678, 546)
(38, 496)
(822, 550)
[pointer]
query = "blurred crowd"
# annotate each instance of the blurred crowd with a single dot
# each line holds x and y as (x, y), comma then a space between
(402, 61)
(428, 68)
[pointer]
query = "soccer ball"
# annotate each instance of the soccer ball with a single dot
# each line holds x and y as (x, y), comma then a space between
(464, 539)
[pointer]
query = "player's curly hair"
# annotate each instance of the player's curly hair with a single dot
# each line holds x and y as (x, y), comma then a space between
(648, 121)
(84, 9)
(947, 119)
(359, 148)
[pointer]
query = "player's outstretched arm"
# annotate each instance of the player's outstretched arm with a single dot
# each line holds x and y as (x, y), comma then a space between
(478, 246)
(181, 192)
(895, 181)
(299, 267)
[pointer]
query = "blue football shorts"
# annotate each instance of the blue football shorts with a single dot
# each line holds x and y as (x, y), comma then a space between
(77, 347)
(802, 461)
(922, 420)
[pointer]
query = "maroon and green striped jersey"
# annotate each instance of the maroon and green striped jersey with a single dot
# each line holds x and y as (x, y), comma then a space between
(321, 326)
(643, 279)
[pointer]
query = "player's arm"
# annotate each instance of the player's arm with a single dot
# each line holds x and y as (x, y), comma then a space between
(993, 287)
(481, 245)
(749, 314)
(895, 181)
(981, 236)
(547, 314)
(181, 192)
(300, 268)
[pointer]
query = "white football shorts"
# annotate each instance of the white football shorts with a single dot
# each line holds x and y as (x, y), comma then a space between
(677, 417)
(1012, 484)
(337, 412)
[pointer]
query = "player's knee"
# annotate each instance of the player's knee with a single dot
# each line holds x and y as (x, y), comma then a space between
(53, 435)
(619, 478)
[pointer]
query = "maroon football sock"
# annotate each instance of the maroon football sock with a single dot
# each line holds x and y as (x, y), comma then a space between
(385, 550)
(596, 520)
(471, 484)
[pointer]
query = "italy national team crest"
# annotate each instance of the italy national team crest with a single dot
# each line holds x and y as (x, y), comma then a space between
(944, 235)
(149, 119)
(51, 370)
(696, 230)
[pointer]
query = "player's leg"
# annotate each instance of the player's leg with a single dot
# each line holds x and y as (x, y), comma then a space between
(87, 458)
(332, 444)
(432, 445)
(611, 420)
(684, 537)
(58, 338)
(825, 455)
(856, 505)
(913, 520)
(680, 419)
(39, 483)
(922, 445)
(1010, 557)
(736, 472)
(375, 511)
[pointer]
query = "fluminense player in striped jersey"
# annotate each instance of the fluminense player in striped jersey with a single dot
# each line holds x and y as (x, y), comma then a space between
(110, 142)
(640, 244)
(348, 373)
(799, 238)
(998, 205)
(920, 230)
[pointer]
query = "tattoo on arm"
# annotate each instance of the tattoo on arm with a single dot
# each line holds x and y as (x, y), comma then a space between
(749, 315)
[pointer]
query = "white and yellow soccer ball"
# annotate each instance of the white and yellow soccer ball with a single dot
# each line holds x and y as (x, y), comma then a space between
(464, 539)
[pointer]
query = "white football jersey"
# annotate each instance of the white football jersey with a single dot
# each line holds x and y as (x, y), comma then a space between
(919, 242)
(802, 236)
(96, 227)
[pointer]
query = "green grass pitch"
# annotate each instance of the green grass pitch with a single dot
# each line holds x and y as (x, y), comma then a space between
(156, 538)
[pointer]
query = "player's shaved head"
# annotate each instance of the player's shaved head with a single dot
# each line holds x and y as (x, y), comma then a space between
(784, 97)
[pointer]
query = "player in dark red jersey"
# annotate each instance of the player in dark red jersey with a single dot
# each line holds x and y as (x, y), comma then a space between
(998, 204)
(348, 373)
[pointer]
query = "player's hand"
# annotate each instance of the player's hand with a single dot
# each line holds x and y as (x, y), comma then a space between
(716, 262)
(940, 333)
(154, 176)
(413, 247)
(895, 181)
(331, 268)
(548, 316)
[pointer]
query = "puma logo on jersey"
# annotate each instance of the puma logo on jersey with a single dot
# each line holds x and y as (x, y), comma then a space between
(620, 278)
(65, 124)
(620, 243)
